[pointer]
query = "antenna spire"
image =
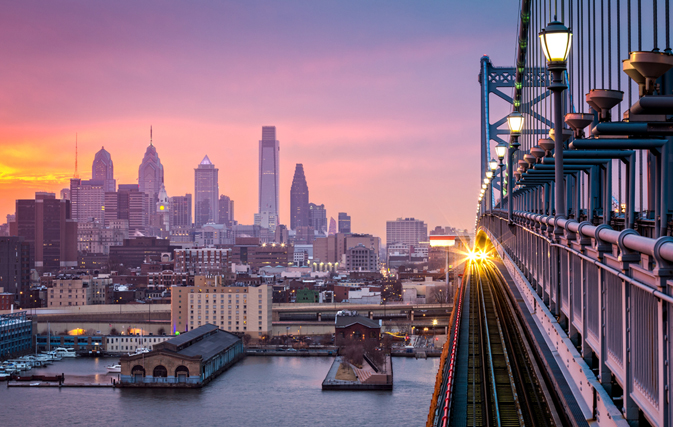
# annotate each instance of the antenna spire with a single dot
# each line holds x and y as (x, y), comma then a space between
(76, 173)
(150, 134)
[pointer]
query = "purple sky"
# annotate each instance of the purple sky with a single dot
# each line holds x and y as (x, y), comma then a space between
(378, 99)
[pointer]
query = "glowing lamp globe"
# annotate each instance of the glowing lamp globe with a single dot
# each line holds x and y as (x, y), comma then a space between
(555, 40)
(489, 174)
(515, 122)
(501, 150)
(493, 164)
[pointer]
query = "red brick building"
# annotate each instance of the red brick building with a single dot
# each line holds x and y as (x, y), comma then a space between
(6, 300)
(356, 327)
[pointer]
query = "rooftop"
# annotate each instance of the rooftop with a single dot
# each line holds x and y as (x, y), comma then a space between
(346, 321)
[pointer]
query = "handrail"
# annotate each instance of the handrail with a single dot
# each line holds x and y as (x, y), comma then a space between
(662, 296)
(452, 363)
(661, 249)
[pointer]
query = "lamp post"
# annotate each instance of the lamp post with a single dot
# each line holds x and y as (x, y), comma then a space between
(515, 123)
(493, 165)
(555, 40)
(500, 151)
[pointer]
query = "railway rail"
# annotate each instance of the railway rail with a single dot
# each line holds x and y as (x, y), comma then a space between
(506, 383)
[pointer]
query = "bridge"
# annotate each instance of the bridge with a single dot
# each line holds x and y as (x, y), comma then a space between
(565, 320)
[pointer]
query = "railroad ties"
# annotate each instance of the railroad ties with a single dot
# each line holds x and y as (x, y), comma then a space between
(503, 388)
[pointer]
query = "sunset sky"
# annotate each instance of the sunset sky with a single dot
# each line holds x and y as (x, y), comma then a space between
(378, 99)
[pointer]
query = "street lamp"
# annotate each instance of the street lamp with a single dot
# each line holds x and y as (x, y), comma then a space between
(515, 123)
(501, 151)
(555, 40)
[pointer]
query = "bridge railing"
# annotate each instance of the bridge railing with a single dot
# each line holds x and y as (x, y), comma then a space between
(440, 404)
(611, 292)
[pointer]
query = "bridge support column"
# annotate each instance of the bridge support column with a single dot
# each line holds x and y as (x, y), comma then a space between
(319, 317)
(411, 315)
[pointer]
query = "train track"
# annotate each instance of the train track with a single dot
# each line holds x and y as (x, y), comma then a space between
(505, 384)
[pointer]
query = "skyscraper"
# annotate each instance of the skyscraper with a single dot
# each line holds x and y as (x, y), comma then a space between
(103, 170)
(127, 203)
(151, 175)
(88, 199)
(226, 214)
(317, 216)
(45, 223)
(206, 193)
(344, 223)
(15, 268)
(299, 199)
(269, 174)
(181, 211)
(408, 231)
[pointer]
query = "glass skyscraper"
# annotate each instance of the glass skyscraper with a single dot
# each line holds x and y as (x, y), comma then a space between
(269, 149)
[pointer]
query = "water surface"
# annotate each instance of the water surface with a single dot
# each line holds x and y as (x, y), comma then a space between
(258, 391)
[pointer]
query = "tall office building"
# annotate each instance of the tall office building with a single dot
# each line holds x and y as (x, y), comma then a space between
(332, 227)
(269, 175)
(15, 268)
(46, 224)
(88, 200)
(344, 223)
(103, 170)
(226, 208)
(151, 175)
(127, 203)
(299, 199)
(408, 231)
(317, 216)
(206, 193)
(181, 211)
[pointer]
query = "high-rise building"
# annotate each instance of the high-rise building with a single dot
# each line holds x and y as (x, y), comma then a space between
(181, 211)
(344, 223)
(332, 248)
(151, 176)
(317, 216)
(206, 193)
(103, 170)
(409, 231)
(269, 176)
(332, 227)
(299, 215)
(127, 203)
(15, 268)
(87, 199)
(226, 211)
(46, 224)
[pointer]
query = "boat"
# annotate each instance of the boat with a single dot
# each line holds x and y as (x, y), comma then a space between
(140, 350)
(114, 369)
(64, 352)
(52, 355)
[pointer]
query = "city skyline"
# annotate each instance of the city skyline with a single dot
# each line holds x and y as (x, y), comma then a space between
(367, 99)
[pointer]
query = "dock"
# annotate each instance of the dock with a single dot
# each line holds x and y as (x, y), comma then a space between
(368, 377)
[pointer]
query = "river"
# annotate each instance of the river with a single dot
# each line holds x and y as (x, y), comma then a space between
(257, 391)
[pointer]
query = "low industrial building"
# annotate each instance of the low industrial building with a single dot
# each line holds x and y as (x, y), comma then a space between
(121, 344)
(190, 360)
(16, 334)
